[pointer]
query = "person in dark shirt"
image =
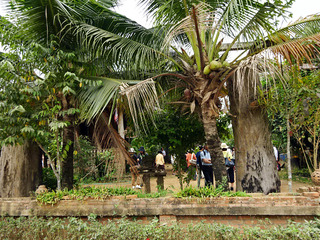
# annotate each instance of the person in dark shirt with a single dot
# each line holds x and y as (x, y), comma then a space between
(142, 154)
(136, 180)
(199, 164)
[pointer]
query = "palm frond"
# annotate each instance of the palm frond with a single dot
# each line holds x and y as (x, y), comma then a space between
(39, 19)
(253, 25)
(299, 40)
(248, 75)
(108, 138)
(93, 100)
(143, 102)
(128, 54)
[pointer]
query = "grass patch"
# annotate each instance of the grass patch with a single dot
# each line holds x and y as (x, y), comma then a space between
(298, 175)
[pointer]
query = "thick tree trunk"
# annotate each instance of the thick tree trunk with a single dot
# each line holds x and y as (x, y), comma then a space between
(213, 141)
(20, 170)
(255, 161)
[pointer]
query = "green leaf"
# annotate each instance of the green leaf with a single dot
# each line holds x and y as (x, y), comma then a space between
(18, 108)
(27, 129)
(66, 90)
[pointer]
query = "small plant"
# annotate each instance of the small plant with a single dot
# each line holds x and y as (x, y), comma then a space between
(99, 193)
(160, 193)
(209, 192)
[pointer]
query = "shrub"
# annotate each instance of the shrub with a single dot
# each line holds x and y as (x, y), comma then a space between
(208, 192)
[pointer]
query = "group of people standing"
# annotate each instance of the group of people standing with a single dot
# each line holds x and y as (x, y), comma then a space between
(201, 161)
(204, 164)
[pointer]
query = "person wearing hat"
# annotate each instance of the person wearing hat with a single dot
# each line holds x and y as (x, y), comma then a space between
(207, 166)
(142, 154)
(229, 164)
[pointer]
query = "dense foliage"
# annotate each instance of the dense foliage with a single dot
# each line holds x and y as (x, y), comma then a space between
(297, 100)
(174, 131)
(75, 228)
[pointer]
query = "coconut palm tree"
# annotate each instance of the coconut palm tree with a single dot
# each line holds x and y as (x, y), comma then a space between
(202, 66)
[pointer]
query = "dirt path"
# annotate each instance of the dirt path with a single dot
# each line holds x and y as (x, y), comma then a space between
(171, 182)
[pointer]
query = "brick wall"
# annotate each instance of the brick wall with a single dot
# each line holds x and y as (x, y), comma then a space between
(235, 211)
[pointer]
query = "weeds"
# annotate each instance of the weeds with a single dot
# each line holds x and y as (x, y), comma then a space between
(102, 193)
(75, 228)
(208, 192)
(99, 193)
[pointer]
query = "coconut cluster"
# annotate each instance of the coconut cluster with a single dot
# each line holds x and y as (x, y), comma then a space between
(215, 65)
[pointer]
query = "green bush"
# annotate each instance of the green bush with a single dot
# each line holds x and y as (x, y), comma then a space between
(209, 192)
(49, 179)
(83, 193)
(75, 228)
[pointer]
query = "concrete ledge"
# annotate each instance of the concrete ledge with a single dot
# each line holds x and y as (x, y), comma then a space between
(115, 207)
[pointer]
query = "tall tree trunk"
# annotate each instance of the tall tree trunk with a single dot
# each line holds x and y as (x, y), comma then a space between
(180, 176)
(121, 163)
(213, 141)
(255, 161)
(68, 139)
(121, 124)
(20, 170)
(289, 155)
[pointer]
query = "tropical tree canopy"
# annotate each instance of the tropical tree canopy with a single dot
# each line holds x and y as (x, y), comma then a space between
(190, 43)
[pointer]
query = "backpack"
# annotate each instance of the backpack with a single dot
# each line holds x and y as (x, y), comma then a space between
(229, 162)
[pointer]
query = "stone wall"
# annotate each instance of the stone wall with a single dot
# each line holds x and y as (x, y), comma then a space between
(236, 211)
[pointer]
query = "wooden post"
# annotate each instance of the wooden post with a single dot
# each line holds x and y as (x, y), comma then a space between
(146, 182)
(160, 180)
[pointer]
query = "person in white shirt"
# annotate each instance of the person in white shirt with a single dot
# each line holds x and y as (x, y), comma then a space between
(159, 161)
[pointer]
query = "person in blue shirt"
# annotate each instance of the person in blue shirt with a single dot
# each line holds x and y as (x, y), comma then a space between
(206, 166)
